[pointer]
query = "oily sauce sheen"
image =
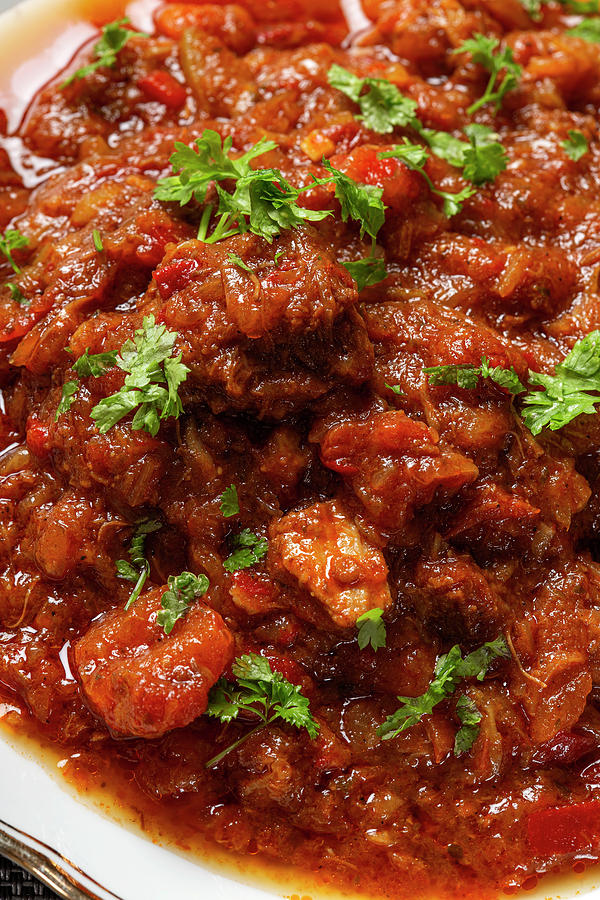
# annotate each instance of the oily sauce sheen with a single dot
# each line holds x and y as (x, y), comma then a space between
(434, 503)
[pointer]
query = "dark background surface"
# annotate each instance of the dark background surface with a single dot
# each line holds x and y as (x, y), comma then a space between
(14, 882)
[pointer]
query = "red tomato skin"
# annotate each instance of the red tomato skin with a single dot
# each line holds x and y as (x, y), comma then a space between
(174, 276)
(162, 87)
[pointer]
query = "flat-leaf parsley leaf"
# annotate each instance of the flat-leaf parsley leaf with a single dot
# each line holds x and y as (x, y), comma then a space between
(113, 39)
(575, 145)
(12, 239)
(450, 669)
(261, 693)
(371, 629)
(484, 51)
(382, 106)
(230, 504)
(175, 602)
(467, 376)
(248, 549)
(415, 157)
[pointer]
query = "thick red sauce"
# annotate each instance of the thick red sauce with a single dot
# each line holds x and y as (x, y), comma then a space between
(434, 503)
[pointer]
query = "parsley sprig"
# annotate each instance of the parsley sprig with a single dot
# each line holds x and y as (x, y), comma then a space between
(151, 385)
(588, 30)
(371, 629)
(572, 391)
(467, 376)
(449, 671)
(382, 106)
(262, 200)
(113, 39)
(367, 272)
(230, 504)
(248, 549)
(262, 693)
(576, 145)
(175, 602)
(12, 239)
(138, 568)
(484, 51)
(415, 157)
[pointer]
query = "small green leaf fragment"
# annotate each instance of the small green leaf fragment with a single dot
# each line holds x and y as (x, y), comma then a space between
(371, 629)
(230, 504)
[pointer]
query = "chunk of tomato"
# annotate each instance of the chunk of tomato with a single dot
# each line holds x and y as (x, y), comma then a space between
(564, 829)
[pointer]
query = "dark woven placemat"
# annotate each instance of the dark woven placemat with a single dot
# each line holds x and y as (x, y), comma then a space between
(15, 882)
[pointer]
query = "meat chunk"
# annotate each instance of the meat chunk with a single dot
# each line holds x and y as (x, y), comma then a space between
(271, 339)
(143, 683)
(394, 465)
(325, 553)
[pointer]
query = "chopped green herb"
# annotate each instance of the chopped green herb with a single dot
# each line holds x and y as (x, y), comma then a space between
(572, 391)
(183, 590)
(113, 39)
(581, 7)
(98, 240)
(248, 549)
(588, 30)
(230, 504)
(485, 157)
(467, 376)
(533, 8)
(12, 240)
(278, 256)
(415, 157)
(576, 145)
(367, 272)
(149, 365)
(262, 202)
(17, 295)
(371, 629)
(263, 693)
(138, 569)
(450, 669)
(382, 105)
(96, 364)
(483, 50)
(469, 717)
(239, 262)
(361, 202)
(69, 392)
(395, 388)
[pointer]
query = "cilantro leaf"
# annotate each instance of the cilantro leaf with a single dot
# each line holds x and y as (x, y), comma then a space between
(576, 145)
(467, 376)
(149, 365)
(138, 569)
(588, 30)
(17, 295)
(230, 504)
(69, 392)
(484, 51)
(371, 629)
(262, 693)
(12, 239)
(415, 157)
(367, 272)
(175, 602)
(248, 549)
(113, 39)
(382, 105)
(450, 669)
(469, 717)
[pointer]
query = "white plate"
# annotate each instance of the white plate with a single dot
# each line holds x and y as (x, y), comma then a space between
(70, 845)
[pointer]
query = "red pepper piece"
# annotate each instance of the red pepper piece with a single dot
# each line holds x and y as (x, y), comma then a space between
(161, 86)
(564, 829)
(174, 276)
